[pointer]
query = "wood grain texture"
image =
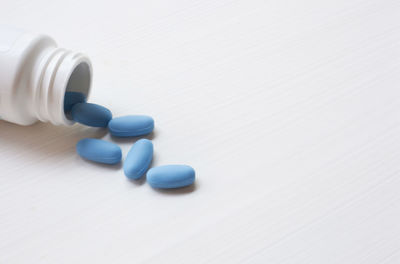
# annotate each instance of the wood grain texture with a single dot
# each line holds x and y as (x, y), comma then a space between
(288, 110)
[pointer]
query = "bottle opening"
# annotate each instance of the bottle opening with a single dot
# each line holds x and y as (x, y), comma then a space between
(58, 73)
(77, 89)
(79, 81)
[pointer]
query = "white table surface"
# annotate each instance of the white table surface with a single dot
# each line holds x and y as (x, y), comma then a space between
(288, 110)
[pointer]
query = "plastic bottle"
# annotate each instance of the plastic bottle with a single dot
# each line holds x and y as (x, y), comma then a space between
(34, 76)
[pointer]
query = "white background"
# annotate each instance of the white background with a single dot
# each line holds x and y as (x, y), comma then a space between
(288, 111)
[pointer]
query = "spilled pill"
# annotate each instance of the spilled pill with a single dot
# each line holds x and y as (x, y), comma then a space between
(138, 159)
(91, 114)
(170, 176)
(131, 125)
(99, 150)
(71, 98)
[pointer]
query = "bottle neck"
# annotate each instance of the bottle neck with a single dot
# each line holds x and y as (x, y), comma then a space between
(56, 72)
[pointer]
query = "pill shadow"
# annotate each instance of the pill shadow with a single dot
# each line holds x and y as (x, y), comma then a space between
(43, 142)
(138, 182)
(115, 167)
(121, 140)
(178, 191)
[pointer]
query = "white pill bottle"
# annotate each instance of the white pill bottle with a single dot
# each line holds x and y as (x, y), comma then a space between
(34, 76)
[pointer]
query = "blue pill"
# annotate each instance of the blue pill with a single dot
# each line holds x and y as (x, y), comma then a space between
(98, 150)
(71, 98)
(170, 176)
(91, 114)
(138, 159)
(131, 125)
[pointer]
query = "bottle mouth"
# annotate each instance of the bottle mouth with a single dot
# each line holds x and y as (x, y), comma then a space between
(78, 83)
(78, 80)
(60, 71)
(66, 71)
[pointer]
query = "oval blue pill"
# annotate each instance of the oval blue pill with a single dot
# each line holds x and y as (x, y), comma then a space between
(99, 150)
(71, 98)
(91, 114)
(131, 126)
(138, 159)
(170, 176)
